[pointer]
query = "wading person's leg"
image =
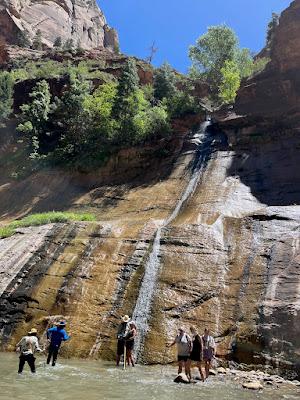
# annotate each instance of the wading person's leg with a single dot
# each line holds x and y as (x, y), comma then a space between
(31, 362)
(50, 352)
(55, 354)
(180, 365)
(187, 368)
(21, 364)
(200, 370)
(207, 368)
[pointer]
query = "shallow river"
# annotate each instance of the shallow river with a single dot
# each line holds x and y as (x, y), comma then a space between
(94, 380)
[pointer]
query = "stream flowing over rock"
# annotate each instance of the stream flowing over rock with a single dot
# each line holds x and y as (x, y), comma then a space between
(228, 258)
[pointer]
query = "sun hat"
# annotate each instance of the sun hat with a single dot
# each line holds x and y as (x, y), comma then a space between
(61, 323)
(32, 330)
(126, 318)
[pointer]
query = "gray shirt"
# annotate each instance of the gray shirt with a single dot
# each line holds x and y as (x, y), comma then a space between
(184, 344)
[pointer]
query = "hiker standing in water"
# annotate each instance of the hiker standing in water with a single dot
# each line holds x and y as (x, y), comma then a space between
(129, 342)
(122, 332)
(55, 336)
(209, 349)
(197, 351)
(27, 346)
(184, 348)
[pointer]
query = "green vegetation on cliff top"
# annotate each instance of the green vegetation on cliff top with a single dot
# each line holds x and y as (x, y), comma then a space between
(43, 219)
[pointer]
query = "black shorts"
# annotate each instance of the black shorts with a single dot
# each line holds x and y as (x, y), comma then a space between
(120, 347)
(130, 344)
(183, 358)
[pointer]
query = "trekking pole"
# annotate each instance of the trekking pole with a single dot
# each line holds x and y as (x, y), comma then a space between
(124, 364)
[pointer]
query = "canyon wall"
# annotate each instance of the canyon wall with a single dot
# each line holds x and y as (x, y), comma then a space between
(229, 260)
(78, 20)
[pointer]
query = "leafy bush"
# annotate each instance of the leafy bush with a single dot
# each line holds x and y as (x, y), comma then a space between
(230, 82)
(34, 116)
(6, 95)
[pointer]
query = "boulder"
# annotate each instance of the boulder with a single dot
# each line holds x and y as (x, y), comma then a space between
(254, 385)
(181, 378)
(221, 370)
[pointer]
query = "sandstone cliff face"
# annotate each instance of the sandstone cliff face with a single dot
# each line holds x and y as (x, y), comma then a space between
(276, 91)
(79, 20)
(228, 260)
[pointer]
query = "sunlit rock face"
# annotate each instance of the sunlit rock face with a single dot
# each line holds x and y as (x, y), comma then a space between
(79, 20)
(229, 261)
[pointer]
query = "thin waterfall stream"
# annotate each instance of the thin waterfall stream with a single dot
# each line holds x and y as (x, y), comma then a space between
(142, 310)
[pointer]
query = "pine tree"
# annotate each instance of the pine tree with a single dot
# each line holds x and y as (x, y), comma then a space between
(128, 85)
(164, 82)
(68, 45)
(23, 39)
(57, 42)
(37, 41)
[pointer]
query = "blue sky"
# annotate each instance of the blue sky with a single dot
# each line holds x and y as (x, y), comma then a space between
(175, 24)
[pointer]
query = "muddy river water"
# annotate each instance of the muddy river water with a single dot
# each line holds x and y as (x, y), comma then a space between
(95, 380)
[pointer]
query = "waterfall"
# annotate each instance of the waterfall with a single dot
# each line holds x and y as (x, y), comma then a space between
(142, 310)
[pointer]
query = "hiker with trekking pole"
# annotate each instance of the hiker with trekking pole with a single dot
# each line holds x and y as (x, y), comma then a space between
(121, 345)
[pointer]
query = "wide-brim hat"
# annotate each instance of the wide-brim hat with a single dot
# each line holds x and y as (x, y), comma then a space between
(61, 323)
(32, 331)
(126, 318)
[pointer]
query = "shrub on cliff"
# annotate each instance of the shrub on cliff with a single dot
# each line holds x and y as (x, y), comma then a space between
(271, 28)
(230, 84)
(35, 116)
(6, 95)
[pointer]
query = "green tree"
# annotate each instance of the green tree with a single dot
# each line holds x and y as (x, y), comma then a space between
(164, 82)
(128, 85)
(231, 80)
(35, 116)
(37, 41)
(244, 62)
(71, 118)
(23, 39)
(6, 95)
(211, 52)
(271, 28)
(57, 42)
(99, 106)
(68, 45)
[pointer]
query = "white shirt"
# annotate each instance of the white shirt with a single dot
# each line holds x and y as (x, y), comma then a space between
(28, 345)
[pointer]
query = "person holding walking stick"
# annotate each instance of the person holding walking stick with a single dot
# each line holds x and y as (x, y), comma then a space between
(122, 331)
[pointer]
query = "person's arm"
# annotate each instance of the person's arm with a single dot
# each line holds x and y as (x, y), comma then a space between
(37, 346)
(19, 345)
(213, 345)
(49, 333)
(65, 336)
(190, 343)
(172, 344)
